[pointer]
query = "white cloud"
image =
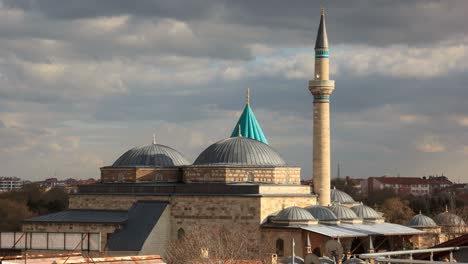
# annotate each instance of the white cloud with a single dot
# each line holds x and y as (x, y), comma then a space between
(430, 144)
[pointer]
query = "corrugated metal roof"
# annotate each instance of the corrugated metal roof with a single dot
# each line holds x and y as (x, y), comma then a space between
(384, 229)
(142, 217)
(239, 151)
(361, 230)
(82, 216)
(249, 126)
(334, 231)
(154, 155)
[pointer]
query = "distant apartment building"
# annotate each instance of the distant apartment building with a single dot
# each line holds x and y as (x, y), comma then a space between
(406, 185)
(10, 184)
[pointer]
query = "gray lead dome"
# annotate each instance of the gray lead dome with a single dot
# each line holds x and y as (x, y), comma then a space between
(294, 213)
(154, 155)
(321, 213)
(340, 197)
(421, 220)
(239, 151)
(365, 212)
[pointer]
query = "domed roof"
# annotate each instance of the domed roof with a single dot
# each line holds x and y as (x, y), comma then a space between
(239, 151)
(154, 155)
(449, 219)
(294, 213)
(338, 196)
(364, 211)
(321, 213)
(343, 212)
(421, 220)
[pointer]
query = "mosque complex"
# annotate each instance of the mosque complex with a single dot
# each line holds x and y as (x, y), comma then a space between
(152, 194)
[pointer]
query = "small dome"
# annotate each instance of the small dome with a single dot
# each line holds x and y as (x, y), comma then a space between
(343, 212)
(364, 211)
(321, 213)
(421, 220)
(294, 213)
(239, 151)
(154, 155)
(449, 219)
(338, 196)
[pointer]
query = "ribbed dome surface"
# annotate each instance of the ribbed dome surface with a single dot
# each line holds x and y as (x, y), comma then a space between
(343, 212)
(239, 151)
(449, 219)
(338, 196)
(364, 211)
(154, 155)
(421, 220)
(294, 213)
(321, 213)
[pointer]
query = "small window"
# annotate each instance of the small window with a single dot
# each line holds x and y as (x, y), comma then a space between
(120, 177)
(180, 233)
(158, 177)
(250, 177)
(280, 247)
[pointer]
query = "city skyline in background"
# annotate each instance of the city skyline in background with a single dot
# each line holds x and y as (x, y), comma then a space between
(81, 84)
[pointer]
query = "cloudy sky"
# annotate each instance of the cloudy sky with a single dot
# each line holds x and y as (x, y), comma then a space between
(82, 81)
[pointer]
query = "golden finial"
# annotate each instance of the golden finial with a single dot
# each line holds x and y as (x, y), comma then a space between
(323, 11)
(247, 96)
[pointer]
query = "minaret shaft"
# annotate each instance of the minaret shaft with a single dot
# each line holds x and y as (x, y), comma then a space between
(321, 88)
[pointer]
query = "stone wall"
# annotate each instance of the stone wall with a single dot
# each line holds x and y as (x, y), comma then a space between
(104, 229)
(109, 202)
(288, 175)
(116, 174)
(272, 204)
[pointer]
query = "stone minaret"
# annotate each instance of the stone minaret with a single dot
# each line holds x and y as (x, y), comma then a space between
(321, 88)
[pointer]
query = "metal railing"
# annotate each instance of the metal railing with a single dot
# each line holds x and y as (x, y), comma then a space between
(386, 257)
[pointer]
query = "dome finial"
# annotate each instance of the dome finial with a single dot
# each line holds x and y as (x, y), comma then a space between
(446, 208)
(420, 212)
(154, 139)
(247, 97)
(240, 132)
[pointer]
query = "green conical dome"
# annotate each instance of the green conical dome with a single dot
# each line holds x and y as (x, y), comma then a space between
(248, 125)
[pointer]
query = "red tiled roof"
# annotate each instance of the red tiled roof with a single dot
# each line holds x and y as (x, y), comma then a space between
(401, 180)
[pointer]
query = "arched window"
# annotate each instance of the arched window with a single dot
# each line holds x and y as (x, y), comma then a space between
(250, 177)
(317, 252)
(120, 177)
(280, 247)
(158, 177)
(180, 233)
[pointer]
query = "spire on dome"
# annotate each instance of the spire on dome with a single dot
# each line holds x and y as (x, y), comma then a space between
(248, 126)
(154, 139)
(322, 38)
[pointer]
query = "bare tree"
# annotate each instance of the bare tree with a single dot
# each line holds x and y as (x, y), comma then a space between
(217, 245)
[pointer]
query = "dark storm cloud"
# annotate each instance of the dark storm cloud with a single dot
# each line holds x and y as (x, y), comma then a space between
(361, 21)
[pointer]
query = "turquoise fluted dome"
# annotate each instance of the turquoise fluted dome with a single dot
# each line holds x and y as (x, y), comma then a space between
(248, 125)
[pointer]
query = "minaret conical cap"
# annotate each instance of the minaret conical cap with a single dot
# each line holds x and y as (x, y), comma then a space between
(322, 38)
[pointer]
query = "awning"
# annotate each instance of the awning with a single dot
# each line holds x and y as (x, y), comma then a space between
(361, 230)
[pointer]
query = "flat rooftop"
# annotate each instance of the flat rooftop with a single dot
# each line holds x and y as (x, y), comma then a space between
(249, 189)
